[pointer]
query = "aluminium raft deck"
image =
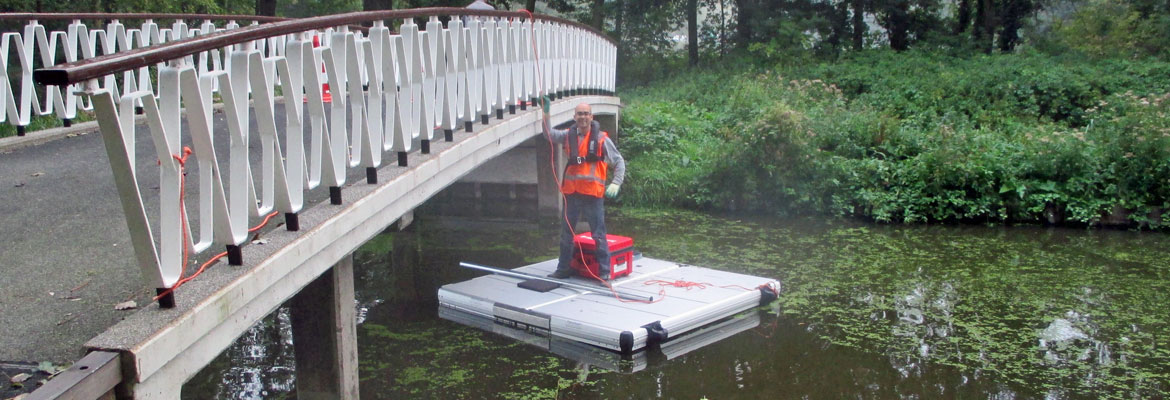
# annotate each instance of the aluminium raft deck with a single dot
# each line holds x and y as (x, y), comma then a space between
(601, 319)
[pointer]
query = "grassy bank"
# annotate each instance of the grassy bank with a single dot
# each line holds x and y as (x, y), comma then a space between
(909, 137)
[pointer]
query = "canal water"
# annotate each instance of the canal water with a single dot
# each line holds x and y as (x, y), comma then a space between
(866, 311)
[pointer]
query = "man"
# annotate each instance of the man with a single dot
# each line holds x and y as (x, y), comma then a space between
(591, 156)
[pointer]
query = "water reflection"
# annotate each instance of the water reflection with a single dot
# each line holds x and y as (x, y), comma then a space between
(260, 365)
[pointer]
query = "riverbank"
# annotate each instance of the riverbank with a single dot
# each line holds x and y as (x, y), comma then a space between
(910, 137)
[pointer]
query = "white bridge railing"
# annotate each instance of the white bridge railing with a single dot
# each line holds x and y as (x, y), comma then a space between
(85, 36)
(392, 92)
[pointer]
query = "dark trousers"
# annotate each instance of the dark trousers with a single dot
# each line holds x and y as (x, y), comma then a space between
(593, 209)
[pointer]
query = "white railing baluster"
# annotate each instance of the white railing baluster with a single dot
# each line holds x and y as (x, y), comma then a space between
(291, 72)
(271, 165)
(492, 71)
(359, 153)
(503, 65)
(165, 124)
(447, 69)
(413, 67)
(473, 49)
(435, 70)
(374, 46)
(398, 92)
(425, 68)
(127, 183)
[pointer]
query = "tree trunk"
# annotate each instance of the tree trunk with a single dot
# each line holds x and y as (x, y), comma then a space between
(266, 7)
(859, 27)
(840, 24)
(898, 25)
(984, 24)
(722, 29)
(373, 5)
(1012, 12)
(619, 20)
(530, 5)
(618, 24)
(964, 17)
(743, 27)
(598, 17)
(693, 31)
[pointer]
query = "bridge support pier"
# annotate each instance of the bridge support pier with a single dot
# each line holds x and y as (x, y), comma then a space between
(548, 195)
(325, 335)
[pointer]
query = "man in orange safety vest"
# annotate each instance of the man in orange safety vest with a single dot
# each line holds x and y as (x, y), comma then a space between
(592, 155)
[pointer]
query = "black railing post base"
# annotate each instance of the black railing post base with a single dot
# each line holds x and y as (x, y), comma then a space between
(235, 255)
(292, 222)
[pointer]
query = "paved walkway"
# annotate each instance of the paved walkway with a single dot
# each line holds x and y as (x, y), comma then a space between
(66, 257)
(65, 254)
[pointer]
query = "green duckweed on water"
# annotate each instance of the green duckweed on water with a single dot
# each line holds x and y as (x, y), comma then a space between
(1052, 311)
(866, 311)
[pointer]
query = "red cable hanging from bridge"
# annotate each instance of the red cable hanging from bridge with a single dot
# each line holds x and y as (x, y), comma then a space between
(183, 218)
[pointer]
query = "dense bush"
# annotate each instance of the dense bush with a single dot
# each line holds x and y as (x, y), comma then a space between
(909, 138)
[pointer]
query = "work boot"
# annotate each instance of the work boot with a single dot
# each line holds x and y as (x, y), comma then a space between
(605, 276)
(560, 274)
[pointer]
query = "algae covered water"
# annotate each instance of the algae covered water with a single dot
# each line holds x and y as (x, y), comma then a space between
(866, 311)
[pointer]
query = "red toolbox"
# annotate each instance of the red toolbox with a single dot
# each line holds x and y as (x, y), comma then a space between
(621, 255)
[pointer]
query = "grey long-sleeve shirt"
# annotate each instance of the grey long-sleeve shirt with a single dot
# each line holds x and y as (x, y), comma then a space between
(613, 158)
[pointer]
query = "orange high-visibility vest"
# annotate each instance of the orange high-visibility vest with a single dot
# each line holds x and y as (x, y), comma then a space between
(585, 174)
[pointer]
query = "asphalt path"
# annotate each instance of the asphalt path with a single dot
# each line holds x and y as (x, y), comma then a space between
(65, 253)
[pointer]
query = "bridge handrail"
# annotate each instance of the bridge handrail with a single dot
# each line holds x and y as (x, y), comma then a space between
(75, 72)
(391, 93)
(19, 16)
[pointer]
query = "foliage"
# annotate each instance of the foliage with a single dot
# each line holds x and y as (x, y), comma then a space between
(1102, 28)
(987, 138)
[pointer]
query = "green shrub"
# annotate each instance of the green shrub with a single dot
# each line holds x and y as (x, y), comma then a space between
(909, 137)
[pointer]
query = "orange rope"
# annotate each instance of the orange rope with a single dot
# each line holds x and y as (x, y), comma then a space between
(183, 217)
(678, 283)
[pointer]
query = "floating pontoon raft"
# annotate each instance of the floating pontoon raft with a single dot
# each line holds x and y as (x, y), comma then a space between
(602, 358)
(601, 319)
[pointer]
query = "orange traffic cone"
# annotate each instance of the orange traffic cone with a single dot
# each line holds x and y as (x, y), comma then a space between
(325, 95)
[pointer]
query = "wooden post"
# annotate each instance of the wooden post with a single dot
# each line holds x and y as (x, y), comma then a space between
(325, 335)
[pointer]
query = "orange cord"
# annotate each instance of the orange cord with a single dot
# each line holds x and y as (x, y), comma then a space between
(183, 217)
(703, 285)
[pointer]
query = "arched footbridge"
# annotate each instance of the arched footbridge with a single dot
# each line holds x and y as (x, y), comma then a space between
(327, 129)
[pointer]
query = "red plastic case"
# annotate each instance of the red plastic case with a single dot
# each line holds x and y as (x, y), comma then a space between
(621, 255)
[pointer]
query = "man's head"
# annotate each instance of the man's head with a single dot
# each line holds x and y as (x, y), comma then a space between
(583, 114)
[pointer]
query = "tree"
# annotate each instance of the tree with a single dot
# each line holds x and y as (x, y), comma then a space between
(859, 26)
(597, 19)
(266, 7)
(372, 5)
(693, 32)
(964, 14)
(894, 15)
